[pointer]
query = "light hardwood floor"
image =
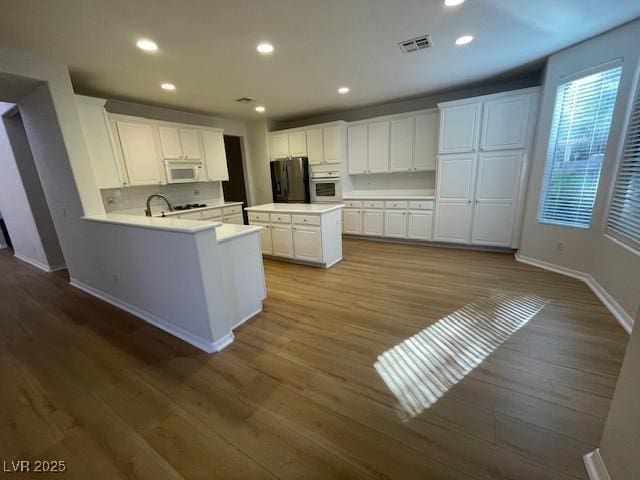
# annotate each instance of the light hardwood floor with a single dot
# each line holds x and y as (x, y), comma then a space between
(296, 395)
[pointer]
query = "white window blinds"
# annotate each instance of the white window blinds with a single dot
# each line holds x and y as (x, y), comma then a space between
(579, 133)
(624, 211)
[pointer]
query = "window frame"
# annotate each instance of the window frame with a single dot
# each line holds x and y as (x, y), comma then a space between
(563, 80)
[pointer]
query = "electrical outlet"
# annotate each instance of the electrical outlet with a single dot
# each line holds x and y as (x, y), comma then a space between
(560, 246)
(196, 192)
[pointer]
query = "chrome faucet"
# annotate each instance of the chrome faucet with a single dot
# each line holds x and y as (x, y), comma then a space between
(147, 212)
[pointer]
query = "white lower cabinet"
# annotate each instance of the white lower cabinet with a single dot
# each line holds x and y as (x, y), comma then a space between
(395, 223)
(282, 239)
(419, 224)
(372, 223)
(307, 243)
(266, 245)
(237, 219)
(352, 221)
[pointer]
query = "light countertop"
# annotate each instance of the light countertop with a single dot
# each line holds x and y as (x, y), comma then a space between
(308, 208)
(156, 223)
(228, 231)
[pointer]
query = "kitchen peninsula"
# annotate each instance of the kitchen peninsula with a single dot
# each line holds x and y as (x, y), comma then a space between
(308, 233)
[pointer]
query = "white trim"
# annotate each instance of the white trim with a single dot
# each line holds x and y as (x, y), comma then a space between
(40, 265)
(614, 307)
(201, 343)
(596, 468)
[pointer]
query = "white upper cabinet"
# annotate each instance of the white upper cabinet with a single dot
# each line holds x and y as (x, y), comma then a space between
(215, 155)
(402, 131)
(139, 152)
(314, 146)
(190, 144)
(378, 147)
(459, 128)
(426, 142)
(279, 145)
(108, 172)
(357, 148)
(331, 144)
(170, 142)
(298, 144)
(505, 123)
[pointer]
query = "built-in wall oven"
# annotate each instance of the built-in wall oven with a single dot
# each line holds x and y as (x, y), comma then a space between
(325, 187)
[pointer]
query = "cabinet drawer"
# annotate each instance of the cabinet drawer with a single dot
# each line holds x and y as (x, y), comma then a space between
(353, 203)
(214, 213)
(421, 205)
(232, 210)
(373, 204)
(306, 219)
(259, 217)
(191, 216)
(395, 204)
(280, 218)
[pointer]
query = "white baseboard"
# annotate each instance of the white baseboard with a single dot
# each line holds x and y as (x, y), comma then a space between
(595, 466)
(614, 307)
(42, 266)
(201, 343)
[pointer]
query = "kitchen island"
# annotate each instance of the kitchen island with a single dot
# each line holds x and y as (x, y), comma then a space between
(307, 233)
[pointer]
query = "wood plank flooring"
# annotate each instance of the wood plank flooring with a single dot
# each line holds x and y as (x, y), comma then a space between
(296, 395)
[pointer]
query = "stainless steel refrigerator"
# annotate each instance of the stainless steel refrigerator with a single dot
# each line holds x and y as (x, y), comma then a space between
(290, 180)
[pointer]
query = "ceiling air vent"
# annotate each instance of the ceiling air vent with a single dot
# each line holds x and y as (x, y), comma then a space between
(415, 44)
(245, 100)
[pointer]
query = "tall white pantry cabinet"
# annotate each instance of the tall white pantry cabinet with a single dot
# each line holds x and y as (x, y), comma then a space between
(483, 153)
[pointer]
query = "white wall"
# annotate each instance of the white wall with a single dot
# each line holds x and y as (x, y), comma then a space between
(614, 267)
(258, 167)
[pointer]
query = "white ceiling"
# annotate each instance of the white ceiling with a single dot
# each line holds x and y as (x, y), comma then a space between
(207, 47)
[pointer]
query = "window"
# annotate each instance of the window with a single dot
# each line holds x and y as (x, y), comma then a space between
(579, 133)
(624, 211)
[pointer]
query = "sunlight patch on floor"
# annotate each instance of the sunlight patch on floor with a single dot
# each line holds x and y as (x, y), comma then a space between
(425, 366)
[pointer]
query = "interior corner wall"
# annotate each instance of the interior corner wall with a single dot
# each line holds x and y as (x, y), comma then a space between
(259, 173)
(30, 181)
(621, 436)
(588, 251)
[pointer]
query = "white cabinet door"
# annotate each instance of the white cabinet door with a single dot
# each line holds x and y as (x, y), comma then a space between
(505, 122)
(298, 144)
(281, 236)
(378, 147)
(215, 155)
(352, 222)
(190, 144)
(307, 243)
(279, 145)
(139, 153)
(266, 245)
(372, 222)
(419, 224)
(314, 146)
(459, 125)
(170, 142)
(395, 223)
(426, 142)
(454, 208)
(99, 140)
(497, 183)
(402, 144)
(357, 149)
(331, 144)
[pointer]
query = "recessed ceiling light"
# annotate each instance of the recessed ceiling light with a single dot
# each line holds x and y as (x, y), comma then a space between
(343, 90)
(168, 86)
(260, 109)
(463, 40)
(147, 45)
(265, 48)
(453, 3)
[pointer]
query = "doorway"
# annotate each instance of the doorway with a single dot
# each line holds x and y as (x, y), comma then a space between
(235, 189)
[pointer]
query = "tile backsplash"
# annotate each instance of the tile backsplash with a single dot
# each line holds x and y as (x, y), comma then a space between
(127, 198)
(395, 181)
